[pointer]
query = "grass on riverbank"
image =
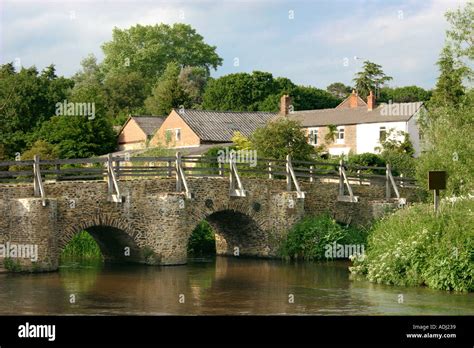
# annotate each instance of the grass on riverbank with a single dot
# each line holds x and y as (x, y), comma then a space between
(414, 247)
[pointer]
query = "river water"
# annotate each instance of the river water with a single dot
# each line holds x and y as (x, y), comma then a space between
(219, 286)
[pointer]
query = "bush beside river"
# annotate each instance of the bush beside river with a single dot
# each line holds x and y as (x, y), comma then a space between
(414, 247)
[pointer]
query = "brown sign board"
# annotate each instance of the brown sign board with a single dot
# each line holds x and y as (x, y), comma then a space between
(436, 180)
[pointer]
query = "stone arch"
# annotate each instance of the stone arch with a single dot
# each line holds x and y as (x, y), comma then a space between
(235, 226)
(112, 235)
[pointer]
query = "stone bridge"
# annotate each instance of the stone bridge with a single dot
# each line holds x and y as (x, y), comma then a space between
(153, 222)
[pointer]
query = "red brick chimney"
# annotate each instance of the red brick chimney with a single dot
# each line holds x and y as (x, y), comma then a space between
(370, 101)
(285, 103)
(354, 99)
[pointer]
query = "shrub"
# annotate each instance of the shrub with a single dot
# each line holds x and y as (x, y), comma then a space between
(11, 265)
(202, 241)
(83, 247)
(413, 247)
(308, 238)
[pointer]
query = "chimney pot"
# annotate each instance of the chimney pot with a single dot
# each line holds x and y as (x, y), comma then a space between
(285, 103)
(354, 99)
(370, 101)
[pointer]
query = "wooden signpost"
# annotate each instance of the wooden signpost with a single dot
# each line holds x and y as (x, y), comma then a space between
(436, 182)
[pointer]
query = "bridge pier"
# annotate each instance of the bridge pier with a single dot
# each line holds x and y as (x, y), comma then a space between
(28, 238)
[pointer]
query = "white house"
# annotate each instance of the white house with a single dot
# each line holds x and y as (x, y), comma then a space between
(359, 126)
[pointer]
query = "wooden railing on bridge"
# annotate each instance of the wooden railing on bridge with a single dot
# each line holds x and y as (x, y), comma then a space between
(114, 169)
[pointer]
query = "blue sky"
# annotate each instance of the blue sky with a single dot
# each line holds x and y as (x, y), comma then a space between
(310, 42)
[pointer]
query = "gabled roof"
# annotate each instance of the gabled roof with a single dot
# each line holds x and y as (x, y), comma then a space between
(220, 126)
(394, 112)
(148, 124)
(345, 103)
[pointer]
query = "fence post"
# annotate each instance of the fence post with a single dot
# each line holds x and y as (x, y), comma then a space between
(311, 168)
(35, 175)
(117, 166)
(387, 181)
(288, 175)
(58, 168)
(221, 168)
(341, 178)
(270, 174)
(178, 166)
(110, 182)
(358, 176)
(169, 169)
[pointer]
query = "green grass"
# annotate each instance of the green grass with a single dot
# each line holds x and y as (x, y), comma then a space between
(414, 247)
(82, 247)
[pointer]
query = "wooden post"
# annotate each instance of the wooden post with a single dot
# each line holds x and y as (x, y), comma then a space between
(387, 181)
(341, 178)
(36, 187)
(58, 168)
(117, 166)
(358, 176)
(178, 167)
(169, 169)
(110, 182)
(270, 174)
(288, 175)
(311, 168)
(221, 168)
(436, 201)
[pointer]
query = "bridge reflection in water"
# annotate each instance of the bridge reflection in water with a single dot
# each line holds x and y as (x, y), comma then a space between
(225, 285)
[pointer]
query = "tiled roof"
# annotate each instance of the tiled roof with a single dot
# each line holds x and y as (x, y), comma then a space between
(149, 124)
(220, 126)
(394, 112)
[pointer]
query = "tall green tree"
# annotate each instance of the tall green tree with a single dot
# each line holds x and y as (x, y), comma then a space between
(193, 81)
(168, 93)
(147, 49)
(309, 98)
(449, 88)
(461, 33)
(238, 92)
(124, 94)
(447, 126)
(78, 136)
(27, 99)
(405, 94)
(371, 78)
(339, 90)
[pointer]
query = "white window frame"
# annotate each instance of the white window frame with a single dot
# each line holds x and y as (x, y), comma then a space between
(340, 131)
(177, 134)
(311, 132)
(384, 129)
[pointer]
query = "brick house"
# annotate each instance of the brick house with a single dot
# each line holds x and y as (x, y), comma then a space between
(359, 125)
(192, 128)
(137, 131)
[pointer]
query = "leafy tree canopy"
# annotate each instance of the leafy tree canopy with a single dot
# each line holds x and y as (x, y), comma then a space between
(371, 78)
(147, 49)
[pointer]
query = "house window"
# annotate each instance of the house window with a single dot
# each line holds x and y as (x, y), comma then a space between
(382, 134)
(313, 136)
(177, 133)
(340, 135)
